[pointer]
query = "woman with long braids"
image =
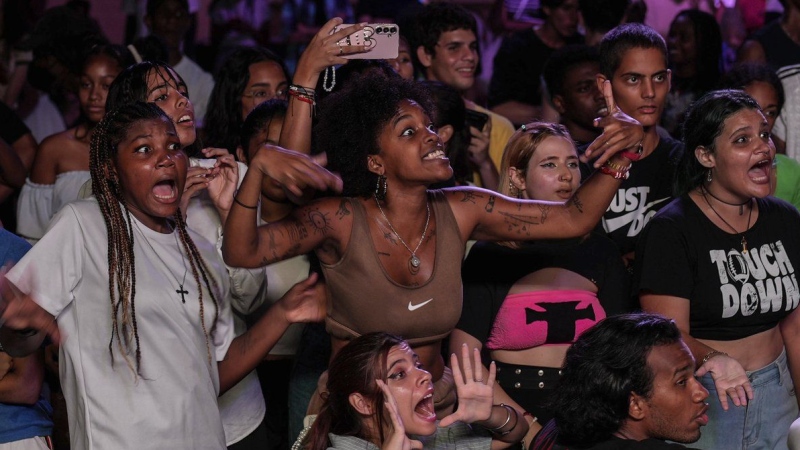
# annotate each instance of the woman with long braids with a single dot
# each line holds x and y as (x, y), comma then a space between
(147, 333)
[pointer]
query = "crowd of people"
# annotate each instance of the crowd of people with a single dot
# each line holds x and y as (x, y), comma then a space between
(314, 249)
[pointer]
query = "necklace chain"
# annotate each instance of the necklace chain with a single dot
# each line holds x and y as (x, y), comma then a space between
(183, 260)
(703, 190)
(740, 205)
(414, 261)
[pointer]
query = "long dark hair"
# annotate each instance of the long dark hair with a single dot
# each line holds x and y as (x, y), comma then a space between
(224, 120)
(353, 370)
(704, 121)
(131, 86)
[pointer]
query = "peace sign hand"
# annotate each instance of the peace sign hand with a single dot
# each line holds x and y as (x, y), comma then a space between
(620, 132)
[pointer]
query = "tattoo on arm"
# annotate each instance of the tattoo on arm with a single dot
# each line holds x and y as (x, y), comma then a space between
(343, 210)
(520, 223)
(575, 201)
(490, 206)
(319, 222)
(545, 210)
(468, 197)
(297, 232)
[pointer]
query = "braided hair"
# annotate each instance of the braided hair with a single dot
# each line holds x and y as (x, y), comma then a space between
(107, 136)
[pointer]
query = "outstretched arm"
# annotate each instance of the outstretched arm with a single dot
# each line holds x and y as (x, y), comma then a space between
(246, 245)
(487, 215)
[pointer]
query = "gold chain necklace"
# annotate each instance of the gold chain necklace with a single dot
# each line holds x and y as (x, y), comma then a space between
(414, 260)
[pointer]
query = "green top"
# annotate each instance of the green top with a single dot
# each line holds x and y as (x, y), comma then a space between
(788, 186)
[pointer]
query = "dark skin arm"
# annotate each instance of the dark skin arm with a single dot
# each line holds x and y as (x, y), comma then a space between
(304, 302)
(246, 245)
(321, 53)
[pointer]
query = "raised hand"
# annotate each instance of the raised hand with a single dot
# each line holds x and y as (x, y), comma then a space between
(224, 178)
(294, 171)
(196, 180)
(475, 395)
(397, 439)
(323, 51)
(306, 301)
(729, 378)
(620, 132)
(478, 149)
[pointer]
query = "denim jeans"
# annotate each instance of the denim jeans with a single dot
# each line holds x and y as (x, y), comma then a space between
(763, 423)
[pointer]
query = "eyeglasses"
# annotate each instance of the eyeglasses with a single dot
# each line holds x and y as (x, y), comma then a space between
(262, 95)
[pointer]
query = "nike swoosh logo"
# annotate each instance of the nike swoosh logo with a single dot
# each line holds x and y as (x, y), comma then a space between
(419, 305)
(619, 222)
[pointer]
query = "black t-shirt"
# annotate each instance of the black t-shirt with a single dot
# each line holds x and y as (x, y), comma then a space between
(780, 50)
(518, 68)
(731, 294)
(648, 189)
(490, 270)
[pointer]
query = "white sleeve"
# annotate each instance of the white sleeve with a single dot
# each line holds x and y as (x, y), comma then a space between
(51, 270)
(34, 209)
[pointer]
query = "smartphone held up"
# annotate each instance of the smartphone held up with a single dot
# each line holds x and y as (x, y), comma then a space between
(382, 41)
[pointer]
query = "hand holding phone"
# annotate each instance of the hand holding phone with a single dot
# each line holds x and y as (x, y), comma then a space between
(476, 119)
(382, 41)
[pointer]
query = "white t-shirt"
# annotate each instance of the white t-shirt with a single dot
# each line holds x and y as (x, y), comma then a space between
(173, 404)
(242, 407)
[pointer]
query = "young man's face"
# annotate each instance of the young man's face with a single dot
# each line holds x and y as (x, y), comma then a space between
(580, 102)
(454, 60)
(676, 408)
(640, 84)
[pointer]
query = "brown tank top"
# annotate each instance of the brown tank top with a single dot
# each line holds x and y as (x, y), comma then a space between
(365, 299)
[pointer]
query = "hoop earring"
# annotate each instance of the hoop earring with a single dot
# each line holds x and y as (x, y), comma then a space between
(381, 188)
(708, 178)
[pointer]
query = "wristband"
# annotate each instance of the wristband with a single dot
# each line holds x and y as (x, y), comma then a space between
(618, 175)
(236, 200)
(633, 156)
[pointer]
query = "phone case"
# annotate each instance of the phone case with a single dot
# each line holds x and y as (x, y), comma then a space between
(382, 40)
